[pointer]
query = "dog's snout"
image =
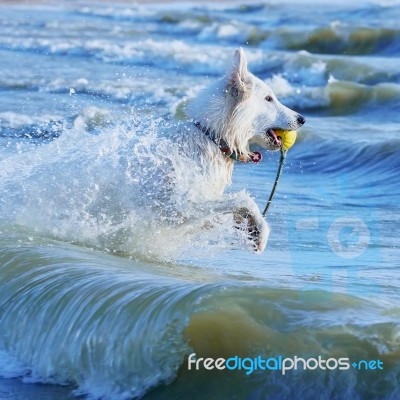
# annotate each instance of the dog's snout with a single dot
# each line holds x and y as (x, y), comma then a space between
(301, 120)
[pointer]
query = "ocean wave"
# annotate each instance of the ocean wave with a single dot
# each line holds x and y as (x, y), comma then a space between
(369, 158)
(348, 97)
(64, 301)
(336, 39)
(141, 93)
(174, 54)
(199, 59)
(66, 336)
(300, 80)
(337, 36)
(314, 70)
(338, 97)
(44, 127)
(343, 32)
(340, 38)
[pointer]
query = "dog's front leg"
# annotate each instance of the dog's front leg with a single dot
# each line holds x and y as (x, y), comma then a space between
(249, 217)
(246, 216)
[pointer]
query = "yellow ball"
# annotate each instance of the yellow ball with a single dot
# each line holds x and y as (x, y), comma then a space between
(288, 138)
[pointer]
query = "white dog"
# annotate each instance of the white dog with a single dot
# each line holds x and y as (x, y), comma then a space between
(238, 110)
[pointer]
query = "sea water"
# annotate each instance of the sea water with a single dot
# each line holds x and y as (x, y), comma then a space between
(98, 297)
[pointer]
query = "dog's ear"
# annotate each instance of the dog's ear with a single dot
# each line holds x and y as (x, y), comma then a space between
(239, 77)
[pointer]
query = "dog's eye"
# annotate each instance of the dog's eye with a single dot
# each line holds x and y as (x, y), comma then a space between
(268, 98)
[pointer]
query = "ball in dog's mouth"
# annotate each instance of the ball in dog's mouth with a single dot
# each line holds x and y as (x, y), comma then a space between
(282, 138)
(288, 138)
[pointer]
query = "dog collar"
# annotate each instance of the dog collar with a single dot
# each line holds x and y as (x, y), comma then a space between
(255, 157)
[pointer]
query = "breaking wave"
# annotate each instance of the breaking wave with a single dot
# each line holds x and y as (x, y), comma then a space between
(115, 328)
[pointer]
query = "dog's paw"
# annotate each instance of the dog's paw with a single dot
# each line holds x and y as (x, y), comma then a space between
(258, 234)
(256, 227)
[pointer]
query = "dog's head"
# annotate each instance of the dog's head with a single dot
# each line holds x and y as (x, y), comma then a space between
(256, 102)
(241, 109)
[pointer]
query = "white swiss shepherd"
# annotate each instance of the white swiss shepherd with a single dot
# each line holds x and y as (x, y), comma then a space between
(237, 110)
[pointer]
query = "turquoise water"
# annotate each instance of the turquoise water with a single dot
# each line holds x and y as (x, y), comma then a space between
(102, 297)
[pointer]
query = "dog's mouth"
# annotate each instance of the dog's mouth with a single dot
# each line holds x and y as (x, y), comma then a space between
(273, 138)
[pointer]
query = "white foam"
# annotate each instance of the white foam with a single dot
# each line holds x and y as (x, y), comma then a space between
(299, 97)
(99, 190)
(15, 120)
(10, 367)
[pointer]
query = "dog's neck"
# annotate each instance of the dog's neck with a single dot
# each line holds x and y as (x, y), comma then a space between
(222, 145)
